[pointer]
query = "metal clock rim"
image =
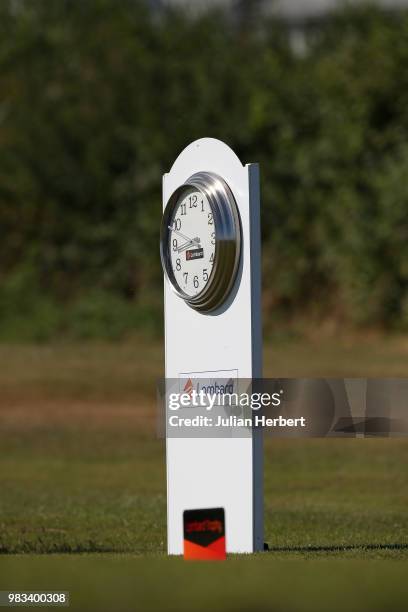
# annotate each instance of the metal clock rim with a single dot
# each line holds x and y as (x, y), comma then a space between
(227, 244)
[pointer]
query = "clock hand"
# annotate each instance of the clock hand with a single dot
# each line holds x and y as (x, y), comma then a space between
(194, 241)
(179, 233)
(190, 240)
(184, 246)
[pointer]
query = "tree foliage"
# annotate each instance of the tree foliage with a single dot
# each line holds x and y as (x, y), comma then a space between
(97, 98)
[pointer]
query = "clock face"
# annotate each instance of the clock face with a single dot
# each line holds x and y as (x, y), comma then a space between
(200, 241)
(191, 242)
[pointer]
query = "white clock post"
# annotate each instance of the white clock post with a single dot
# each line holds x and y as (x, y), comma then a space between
(214, 309)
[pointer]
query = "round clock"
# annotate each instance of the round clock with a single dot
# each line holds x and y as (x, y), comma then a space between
(200, 241)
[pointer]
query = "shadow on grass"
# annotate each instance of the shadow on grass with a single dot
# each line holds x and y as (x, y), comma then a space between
(335, 548)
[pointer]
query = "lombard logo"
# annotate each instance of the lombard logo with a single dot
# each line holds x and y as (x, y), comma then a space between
(194, 254)
(218, 382)
(213, 387)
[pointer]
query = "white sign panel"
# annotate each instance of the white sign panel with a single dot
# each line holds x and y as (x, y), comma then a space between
(210, 248)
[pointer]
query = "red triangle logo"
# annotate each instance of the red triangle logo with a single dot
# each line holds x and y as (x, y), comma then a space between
(188, 387)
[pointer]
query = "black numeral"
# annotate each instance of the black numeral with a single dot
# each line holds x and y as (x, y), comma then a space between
(195, 282)
(174, 244)
(205, 275)
(210, 219)
(177, 224)
(212, 258)
(202, 205)
(183, 209)
(178, 265)
(212, 237)
(185, 274)
(193, 201)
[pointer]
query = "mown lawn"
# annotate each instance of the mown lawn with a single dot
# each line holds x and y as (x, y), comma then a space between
(82, 471)
(248, 584)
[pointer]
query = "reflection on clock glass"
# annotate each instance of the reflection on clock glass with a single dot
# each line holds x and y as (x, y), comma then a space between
(192, 242)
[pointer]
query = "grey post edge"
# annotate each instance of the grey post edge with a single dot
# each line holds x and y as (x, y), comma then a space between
(256, 331)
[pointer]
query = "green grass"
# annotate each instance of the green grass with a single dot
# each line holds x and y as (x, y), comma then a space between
(247, 584)
(81, 471)
(88, 491)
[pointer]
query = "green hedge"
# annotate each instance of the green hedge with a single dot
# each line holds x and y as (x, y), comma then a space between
(98, 97)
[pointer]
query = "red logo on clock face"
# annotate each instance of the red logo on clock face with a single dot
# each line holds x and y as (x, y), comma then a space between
(194, 254)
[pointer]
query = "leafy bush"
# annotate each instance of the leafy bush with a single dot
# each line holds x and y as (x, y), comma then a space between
(98, 98)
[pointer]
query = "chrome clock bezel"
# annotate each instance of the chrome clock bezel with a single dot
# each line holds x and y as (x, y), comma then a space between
(227, 240)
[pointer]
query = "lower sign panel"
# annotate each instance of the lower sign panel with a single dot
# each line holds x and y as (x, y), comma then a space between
(204, 534)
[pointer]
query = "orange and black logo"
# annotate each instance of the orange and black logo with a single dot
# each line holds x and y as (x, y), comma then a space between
(204, 534)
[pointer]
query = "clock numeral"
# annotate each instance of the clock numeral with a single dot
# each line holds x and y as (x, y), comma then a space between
(212, 237)
(178, 265)
(212, 258)
(202, 205)
(185, 274)
(183, 209)
(210, 219)
(174, 244)
(195, 282)
(193, 201)
(177, 224)
(205, 275)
